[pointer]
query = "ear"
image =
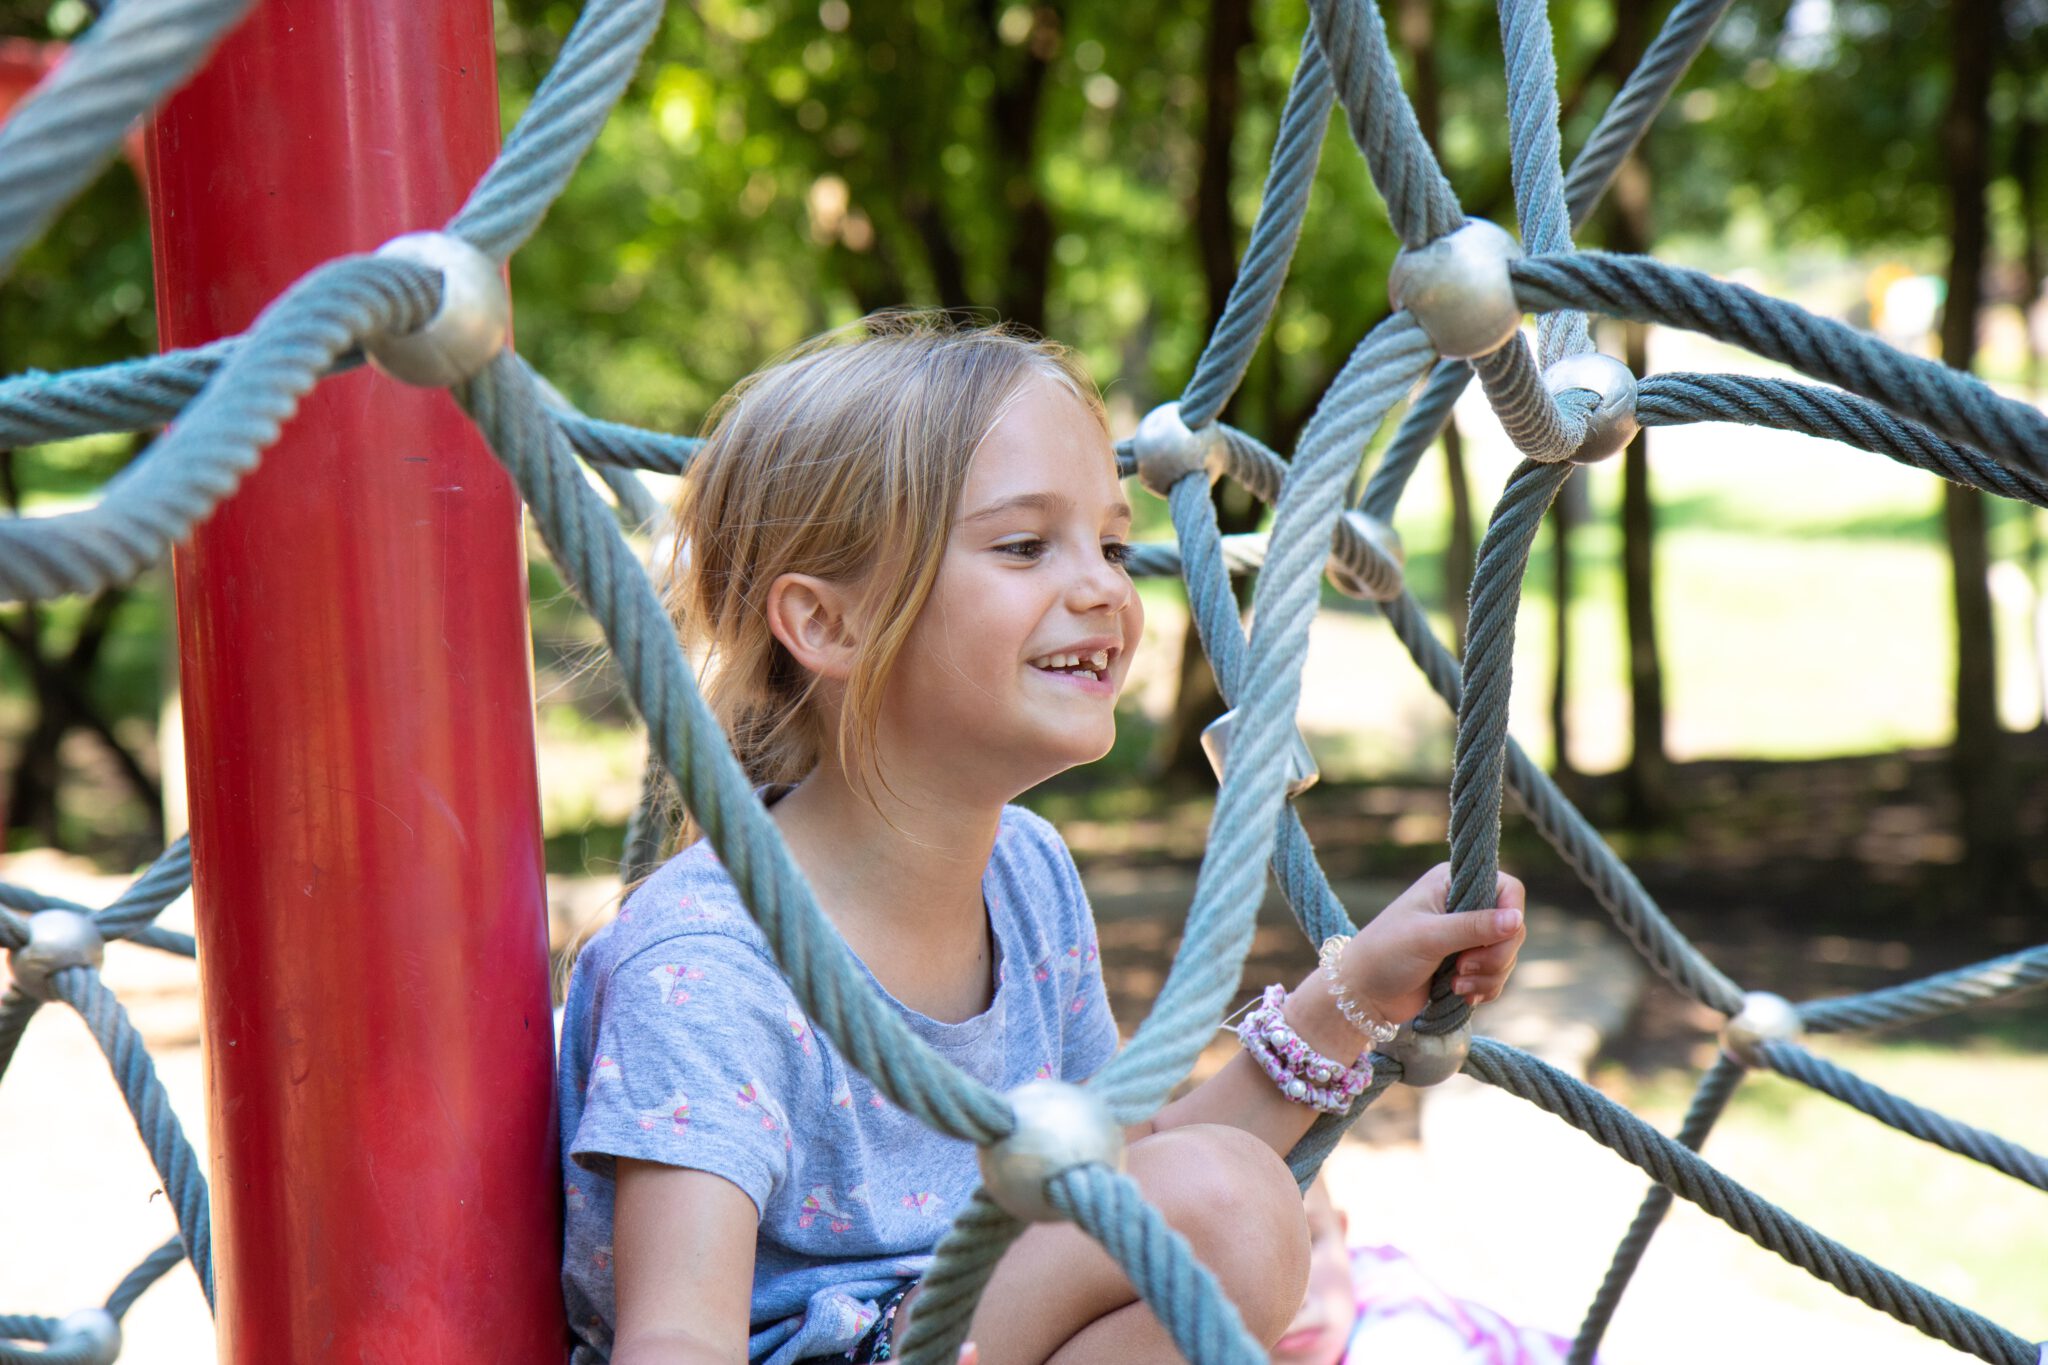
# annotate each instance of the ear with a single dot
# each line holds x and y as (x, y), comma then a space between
(815, 621)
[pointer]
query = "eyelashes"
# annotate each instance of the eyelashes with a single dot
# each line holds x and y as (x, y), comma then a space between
(1115, 551)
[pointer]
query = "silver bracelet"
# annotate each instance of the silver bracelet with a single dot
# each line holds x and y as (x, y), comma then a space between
(1332, 952)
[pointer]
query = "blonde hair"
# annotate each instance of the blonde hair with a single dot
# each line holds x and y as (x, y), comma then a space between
(844, 460)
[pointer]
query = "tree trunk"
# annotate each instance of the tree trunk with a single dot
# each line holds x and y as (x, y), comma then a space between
(1415, 23)
(2026, 146)
(1461, 548)
(1982, 779)
(1646, 783)
(1565, 515)
(1197, 700)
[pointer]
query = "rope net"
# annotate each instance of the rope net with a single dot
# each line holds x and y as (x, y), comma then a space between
(230, 398)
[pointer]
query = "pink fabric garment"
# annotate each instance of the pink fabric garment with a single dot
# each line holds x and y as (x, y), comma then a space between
(1404, 1316)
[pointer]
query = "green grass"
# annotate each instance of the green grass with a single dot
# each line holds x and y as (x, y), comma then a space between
(1958, 1228)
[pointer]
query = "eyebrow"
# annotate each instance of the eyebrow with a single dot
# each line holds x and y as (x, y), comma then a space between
(1040, 502)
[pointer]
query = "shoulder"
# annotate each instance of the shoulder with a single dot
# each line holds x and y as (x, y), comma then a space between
(689, 904)
(1032, 863)
(1029, 840)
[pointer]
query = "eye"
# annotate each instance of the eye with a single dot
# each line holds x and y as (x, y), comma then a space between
(1116, 552)
(1027, 550)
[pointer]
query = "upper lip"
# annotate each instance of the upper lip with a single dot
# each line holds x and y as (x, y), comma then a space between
(1108, 643)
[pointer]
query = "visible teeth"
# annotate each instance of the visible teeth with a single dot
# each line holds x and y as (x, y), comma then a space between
(1098, 661)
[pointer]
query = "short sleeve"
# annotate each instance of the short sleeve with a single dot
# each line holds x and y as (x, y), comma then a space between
(1088, 1034)
(696, 1064)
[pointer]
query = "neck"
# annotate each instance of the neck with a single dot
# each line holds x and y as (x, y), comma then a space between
(913, 866)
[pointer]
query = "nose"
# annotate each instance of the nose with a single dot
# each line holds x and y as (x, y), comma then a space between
(1100, 586)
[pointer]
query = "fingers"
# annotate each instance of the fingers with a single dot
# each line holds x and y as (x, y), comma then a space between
(970, 1354)
(1508, 890)
(1477, 929)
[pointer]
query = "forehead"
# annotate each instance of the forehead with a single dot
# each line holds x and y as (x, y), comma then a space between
(1045, 439)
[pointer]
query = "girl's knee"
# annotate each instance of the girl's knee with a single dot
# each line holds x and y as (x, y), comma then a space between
(1235, 1201)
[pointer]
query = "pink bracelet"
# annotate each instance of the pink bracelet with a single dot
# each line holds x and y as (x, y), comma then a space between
(1301, 1073)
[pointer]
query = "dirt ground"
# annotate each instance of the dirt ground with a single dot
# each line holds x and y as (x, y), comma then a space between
(1807, 879)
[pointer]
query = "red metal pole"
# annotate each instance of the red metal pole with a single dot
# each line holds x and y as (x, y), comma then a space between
(359, 724)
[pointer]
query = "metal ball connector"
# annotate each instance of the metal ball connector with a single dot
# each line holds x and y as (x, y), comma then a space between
(1168, 451)
(57, 939)
(90, 1336)
(1059, 1127)
(1384, 587)
(1302, 772)
(1459, 290)
(1763, 1018)
(1430, 1058)
(465, 333)
(1612, 423)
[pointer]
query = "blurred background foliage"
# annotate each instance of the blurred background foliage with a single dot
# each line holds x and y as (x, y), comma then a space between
(1092, 170)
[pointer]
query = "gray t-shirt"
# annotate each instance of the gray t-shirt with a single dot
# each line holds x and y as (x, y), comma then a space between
(682, 1043)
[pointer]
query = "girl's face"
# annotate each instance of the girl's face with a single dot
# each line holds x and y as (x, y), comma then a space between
(1322, 1326)
(1032, 584)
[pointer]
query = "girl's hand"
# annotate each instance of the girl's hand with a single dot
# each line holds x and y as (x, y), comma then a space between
(1388, 965)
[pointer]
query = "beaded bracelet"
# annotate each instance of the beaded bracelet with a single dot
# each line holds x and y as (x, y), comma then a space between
(1331, 953)
(1301, 1073)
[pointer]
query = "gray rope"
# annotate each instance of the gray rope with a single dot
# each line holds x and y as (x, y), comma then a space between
(2007, 1158)
(1716, 1087)
(1419, 428)
(600, 568)
(1674, 397)
(132, 395)
(82, 989)
(965, 1258)
(1581, 846)
(141, 395)
(1242, 555)
(1543, 428)
(1535, 152)
(1930, 997)
(575, 98)
(162, 882)
(1576, 841)
(1685, 32)
(1213, 607)
(1243, 826)
(1353, 38)
(57, 141)
(1179, 1289)
(1765, 1223)
(1621, 127)
(1480, 752)
(1282, 204)
(1635, 287)
(221, 438)
(154, 1267)
(16, 1009)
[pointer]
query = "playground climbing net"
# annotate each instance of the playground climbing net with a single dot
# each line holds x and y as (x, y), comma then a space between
(1462, 287)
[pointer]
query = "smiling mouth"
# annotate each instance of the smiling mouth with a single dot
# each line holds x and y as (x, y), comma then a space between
(1092, 666)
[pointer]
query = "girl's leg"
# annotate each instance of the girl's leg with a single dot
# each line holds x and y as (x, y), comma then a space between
(1056, 1294)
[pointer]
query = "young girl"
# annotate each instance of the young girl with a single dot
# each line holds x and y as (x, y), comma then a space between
(901, 558)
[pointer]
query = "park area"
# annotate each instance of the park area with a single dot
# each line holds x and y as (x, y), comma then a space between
(1801, 690)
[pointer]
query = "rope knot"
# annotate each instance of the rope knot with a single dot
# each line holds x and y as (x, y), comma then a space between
(1459, 290)
(1763, 1018)
(1059, 1127)
(1368, 558)
(57, 940)
(1302, 770)
(1611, 421)
(467, 330)
(1168, 451)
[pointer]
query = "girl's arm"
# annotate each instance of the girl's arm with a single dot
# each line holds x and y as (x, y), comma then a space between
(682, 1266)
(1386, 968)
